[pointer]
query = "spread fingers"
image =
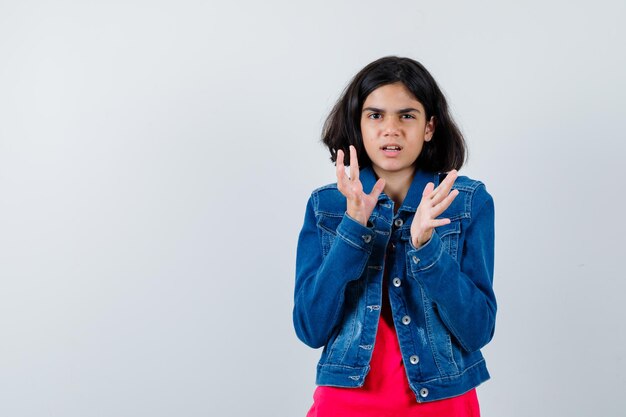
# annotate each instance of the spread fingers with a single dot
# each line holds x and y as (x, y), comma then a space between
(444, 188)
(354, 164)
(443, 205)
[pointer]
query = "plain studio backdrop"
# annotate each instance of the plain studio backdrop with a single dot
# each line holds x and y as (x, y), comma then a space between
(155, 163)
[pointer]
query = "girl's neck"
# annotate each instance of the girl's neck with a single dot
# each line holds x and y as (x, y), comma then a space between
(397, 184)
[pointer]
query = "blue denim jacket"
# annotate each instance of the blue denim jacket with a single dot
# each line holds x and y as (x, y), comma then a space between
(441, 294)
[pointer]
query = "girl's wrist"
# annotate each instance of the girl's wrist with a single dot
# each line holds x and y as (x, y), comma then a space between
(419, 240)
(357, 218)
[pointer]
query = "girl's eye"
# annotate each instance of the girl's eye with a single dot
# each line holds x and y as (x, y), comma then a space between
(408, 116)
(375, 116)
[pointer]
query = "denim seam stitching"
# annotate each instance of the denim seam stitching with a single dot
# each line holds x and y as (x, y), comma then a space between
(431, 342)
(454, 331)
(432, 264)
(455, 375)
(456, 366)
(353, 244)
(340, 366)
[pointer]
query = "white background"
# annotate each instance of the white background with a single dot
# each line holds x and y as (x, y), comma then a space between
(155, 162)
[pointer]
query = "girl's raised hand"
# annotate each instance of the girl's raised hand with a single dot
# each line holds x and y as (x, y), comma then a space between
(434, 202)
(359, 204)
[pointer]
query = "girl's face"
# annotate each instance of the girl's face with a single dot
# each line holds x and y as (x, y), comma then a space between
(394, 129)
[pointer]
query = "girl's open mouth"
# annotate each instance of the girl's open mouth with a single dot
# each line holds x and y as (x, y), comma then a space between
(391, 150)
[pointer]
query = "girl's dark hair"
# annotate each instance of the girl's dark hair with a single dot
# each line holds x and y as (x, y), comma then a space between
(445, 151)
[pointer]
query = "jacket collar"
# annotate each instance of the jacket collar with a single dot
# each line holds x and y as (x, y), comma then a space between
(413, 196)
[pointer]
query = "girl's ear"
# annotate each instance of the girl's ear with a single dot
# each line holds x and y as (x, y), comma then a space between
(430, 129)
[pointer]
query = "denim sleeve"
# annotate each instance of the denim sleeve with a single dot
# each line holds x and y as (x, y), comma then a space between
(462, 290)
(321, 280)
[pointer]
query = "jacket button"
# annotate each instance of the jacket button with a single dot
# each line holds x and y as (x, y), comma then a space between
(416, 259)
(397, 282)
(367, 238)
(406, 320)
(424, 392)
(414, 359)
(398, 222)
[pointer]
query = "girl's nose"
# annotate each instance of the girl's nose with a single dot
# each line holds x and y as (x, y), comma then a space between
(391, 127)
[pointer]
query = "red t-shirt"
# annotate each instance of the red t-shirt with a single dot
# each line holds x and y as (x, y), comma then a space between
(386, 390)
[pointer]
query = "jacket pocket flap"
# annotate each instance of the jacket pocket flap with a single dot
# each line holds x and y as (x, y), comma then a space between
(442, 231)
(445, 230)
(329, 223)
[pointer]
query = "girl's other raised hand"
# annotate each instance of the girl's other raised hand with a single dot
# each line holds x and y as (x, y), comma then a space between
(434, 202)
(359, 205)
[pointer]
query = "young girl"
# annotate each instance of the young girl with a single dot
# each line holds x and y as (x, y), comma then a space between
(394, 265)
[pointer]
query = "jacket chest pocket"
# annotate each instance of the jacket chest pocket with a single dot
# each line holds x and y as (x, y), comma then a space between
(327, 225)
(449, 235)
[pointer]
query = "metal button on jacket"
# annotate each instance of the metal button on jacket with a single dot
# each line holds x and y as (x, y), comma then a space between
(416, 259)
(406, 320)
(398, 222)
(424, 392)
(367, 238)
(414, 359)
(397, 282)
